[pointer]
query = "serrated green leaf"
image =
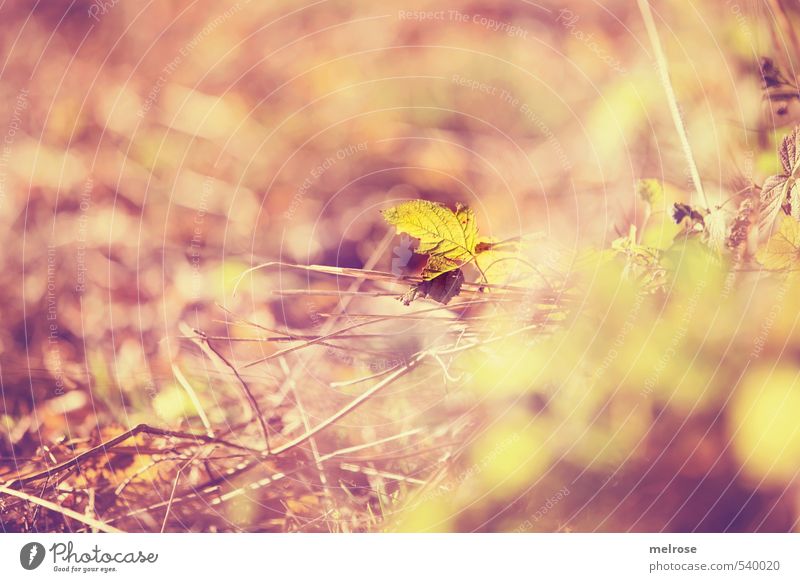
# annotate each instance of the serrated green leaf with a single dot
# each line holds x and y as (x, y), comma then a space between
(448, 238)
(438, 265)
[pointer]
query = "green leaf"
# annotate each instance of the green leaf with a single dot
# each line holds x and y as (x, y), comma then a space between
(438, 265)
(448, 238)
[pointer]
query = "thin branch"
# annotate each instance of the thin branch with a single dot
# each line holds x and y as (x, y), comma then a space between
(362, 446)
(672, 99)
(328, 336)
(84, 519)
(105, 446)
(193, 397)
(201, 340)
(372, 472)
(211, 487)
(345, 383)
(355, 403)
(174, 488)
(303, 338)
(366, 275)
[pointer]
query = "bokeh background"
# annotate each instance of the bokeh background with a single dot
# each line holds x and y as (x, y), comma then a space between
(153, 152)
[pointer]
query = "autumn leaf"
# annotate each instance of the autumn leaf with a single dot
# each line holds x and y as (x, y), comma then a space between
(441, 288)
(438, 265)
(783, 249)
(448, 238)
(781, 190)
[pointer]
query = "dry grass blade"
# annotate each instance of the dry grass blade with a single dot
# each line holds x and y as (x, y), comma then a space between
(106, 446)
(84, 519)
(200, 340)
(333, 334)
(365, 275)
(355, 403)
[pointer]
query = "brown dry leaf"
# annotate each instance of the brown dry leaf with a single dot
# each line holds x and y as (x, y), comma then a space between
(441, 288)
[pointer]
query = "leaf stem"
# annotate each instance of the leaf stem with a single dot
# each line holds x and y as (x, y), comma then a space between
(672, 99)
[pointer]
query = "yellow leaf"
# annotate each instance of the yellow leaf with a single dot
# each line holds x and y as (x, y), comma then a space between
(448, 237)
(439, 265)
(783, 249)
